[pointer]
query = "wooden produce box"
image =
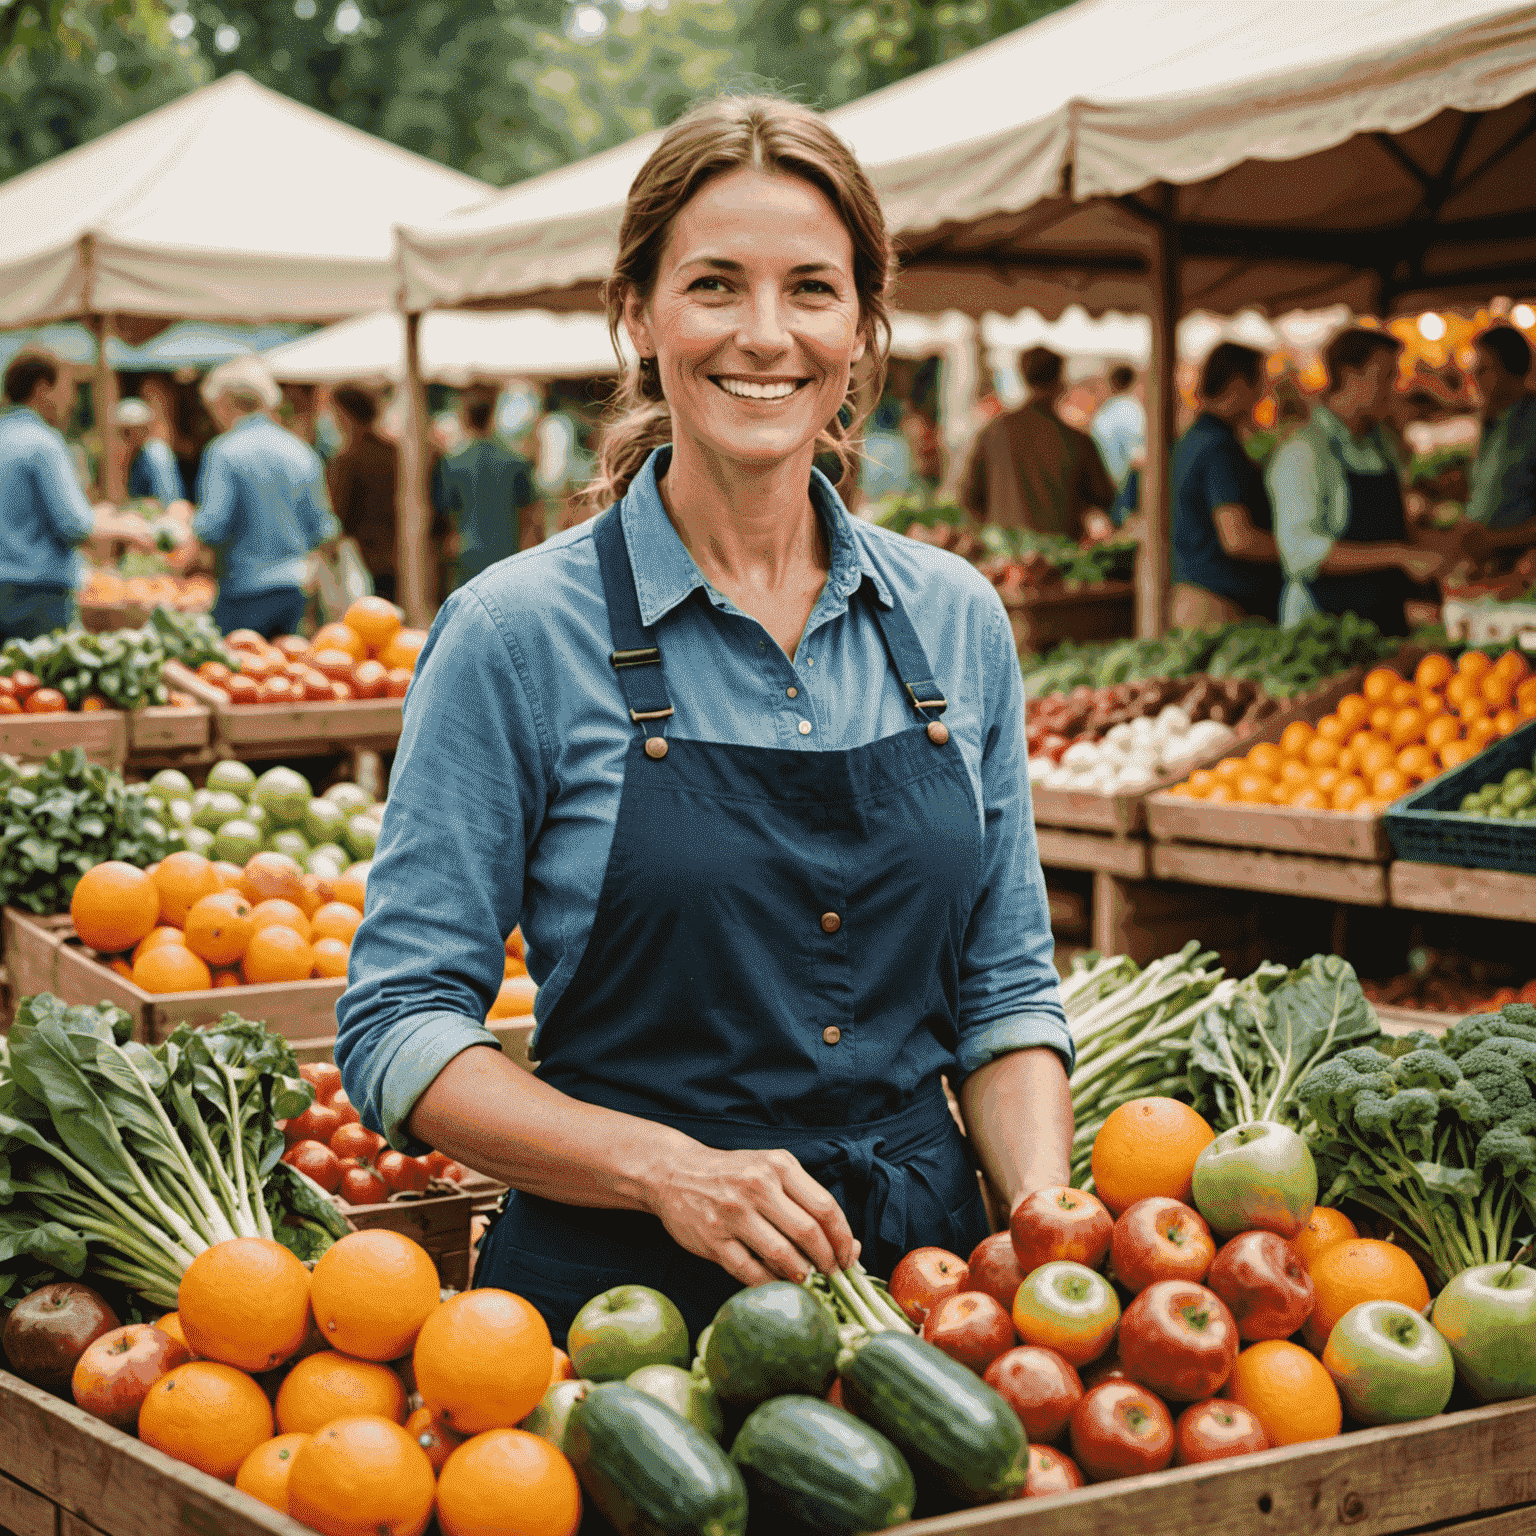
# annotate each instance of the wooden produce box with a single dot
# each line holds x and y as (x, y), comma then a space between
(293, 730)
(42, 954)
(1451, 888)
(439, 1222)
(161, 728)
(1042, 619)
(102, 733)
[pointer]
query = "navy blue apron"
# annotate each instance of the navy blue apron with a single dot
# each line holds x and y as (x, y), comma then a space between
(1375, 517)
(775, 963)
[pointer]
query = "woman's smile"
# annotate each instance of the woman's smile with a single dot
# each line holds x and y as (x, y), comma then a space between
(765, 391)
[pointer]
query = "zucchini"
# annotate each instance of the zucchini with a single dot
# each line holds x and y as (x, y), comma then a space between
(769, 1340)
(649, 1471)
(819, 1465)
(948, 1423)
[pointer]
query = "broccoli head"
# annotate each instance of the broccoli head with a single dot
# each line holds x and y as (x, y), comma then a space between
(1510, 1143)
(1516, 1022)
(1426, 1068)
(1499, 1077)
(1409, 1115)
(1331, 1089)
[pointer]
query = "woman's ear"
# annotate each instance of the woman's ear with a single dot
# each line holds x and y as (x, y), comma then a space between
(637, 326)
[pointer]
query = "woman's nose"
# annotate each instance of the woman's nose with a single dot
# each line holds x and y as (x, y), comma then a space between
(762, 326)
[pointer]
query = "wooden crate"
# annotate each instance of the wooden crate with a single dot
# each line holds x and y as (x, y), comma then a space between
(1471, 892)
(1064, 849)
(168, 728)
(1248, 868)
(101, 733)
(440, 1223)
(293, 730)
(1039, 620)
(43, 955)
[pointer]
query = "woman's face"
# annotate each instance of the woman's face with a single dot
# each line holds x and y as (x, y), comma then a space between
(754, 319)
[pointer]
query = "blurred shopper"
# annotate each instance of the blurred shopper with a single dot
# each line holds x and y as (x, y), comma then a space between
(43, 512)
(1029, 469)
(1338, 498)
(362, 481)
(482, 489)
(1119, 426)
(152, 468)
(1502, 502)
(1225, 564)
(261, 503)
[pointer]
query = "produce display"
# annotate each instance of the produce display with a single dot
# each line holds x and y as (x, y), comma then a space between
(1512, 798)
(1444, 981)
(186, 594)
(1381, 742)
(190, 638)
(72, 669)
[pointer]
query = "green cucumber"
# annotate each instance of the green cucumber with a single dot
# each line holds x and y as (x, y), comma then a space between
(946, 1421)
(769, 1340)
(819, 1465)
(649, 1471)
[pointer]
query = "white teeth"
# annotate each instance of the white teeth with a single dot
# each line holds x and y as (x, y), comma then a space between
(745, 391)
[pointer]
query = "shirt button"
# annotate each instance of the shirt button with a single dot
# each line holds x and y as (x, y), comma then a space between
(794, 693)
(938, 732)
(830, 922)
(831, 1034)
(656, 747)
(805, 727)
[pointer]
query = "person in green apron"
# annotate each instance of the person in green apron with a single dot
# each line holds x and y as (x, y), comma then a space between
(752, 776)
(1337, 496)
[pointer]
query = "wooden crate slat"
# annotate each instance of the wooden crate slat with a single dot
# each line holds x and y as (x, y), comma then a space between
(25, 1513)
(1063, 849)
(1339, 834)
(1474, 892)
(169, 728)
(1245, 869)
(101, 733)
(1403, 1021)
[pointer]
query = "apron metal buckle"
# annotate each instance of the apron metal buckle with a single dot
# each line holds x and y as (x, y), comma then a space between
(650, 656)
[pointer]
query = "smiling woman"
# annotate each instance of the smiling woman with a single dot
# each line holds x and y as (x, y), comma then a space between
(751, 774)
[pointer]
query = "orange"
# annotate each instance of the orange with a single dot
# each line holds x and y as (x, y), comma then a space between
(1497, 690)
(1266, 758)
(1389, 784)
(209, 1415)
(1201, 782)
(403, 650)
(269, 876)
(1474, 664)
(1403, 694)
(335, 920)
(1147, 1147)
(513, 966)
(1355, 1270)
(563, 1369)
(183, 879)
(1407, 725)
(219, 927)
(1354, 710)
(1474, 709)
(1442, 730)
(1333, 727)
(1229, 770)
(277, 953)
(264, 1473)
(1459, 690)
(172, 968)
(1418, 762)
(1430, 703)
(121, 967)
(1481, 732)
(331, 957)
(339, 637)
(1505, 721)
(244, 1302)
(276, 910)
(155, 938)
(1514, 665)
(1326, 780)
(1454, 753)
(1435, 671)
(1294, 738)
(1324, 1227)
(1379, 684)
(375, 621)
(1377, 755)
(1254, 789)
(229, 875)
(323, 1388)
(371, 1291)
(1221, 794)
(114, 906)
(483, 1360)
(1371, 806)
(1381, 719)
(1525, 693)
(1287, 1391)
(362, 1476)
(1321, 752)
(515, 999)
(171, 1324)
(433, 1436)
(1349, 758)
(350, 888)
(1310, 799)
(1294, 774)
(1347, 794)
(507, 1482)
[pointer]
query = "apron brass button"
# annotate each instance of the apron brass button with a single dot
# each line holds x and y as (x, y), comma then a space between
(656, 747)
(830, 922)
(938, 732)
(831, 1034)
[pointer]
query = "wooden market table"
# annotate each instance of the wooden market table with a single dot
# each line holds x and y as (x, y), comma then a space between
(113, 737)
(1105, 610)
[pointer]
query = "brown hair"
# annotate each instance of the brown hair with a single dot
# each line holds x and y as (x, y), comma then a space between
(728, 134)
(1353, 349)
(353, 401)
(26, 371)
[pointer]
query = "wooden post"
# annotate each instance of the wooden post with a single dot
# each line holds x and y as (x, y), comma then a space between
(1152, 578)
(413, 554)
(113, 478)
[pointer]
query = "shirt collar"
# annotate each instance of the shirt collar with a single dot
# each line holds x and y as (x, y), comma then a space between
(665, 573)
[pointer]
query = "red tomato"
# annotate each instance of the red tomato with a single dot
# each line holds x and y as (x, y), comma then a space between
(8, 704)
(402, 1172)
(341, 692)
(924, 1278)
(397, 682)
(318, 1123)
(278, 690)
(370, 679)
(436, 1162)
(355, 1140)
(45, 701)
(215, 672)
(242, 690)
(1178, 1339)
(1160, 1238)
(316, 686)
(24, 684)
(335, 665)
(453, 1173)
(318, 1161)
(93, 703)
(343, 1107)
(362, 1186)
(323, 1076)
(971, 1328)
(1120, 1430)
(7, 687)
(292, 646)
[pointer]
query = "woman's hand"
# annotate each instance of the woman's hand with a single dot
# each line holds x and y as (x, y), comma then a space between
(758, 1215)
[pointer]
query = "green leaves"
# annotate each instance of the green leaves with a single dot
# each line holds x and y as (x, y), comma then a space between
(121, 666)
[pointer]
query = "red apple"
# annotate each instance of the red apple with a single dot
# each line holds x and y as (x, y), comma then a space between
(1179, 1339)
(970, 1327)
(1214, 1430)
(1040, 1385)
(1050, 1472)
(995, 1269)
(1120, 1430)
(1160, 1239)
(1060, 1223)
(1106, 1368)
(113, 1377)
(924, 1278)
(49, 1330)
(1264, 1284)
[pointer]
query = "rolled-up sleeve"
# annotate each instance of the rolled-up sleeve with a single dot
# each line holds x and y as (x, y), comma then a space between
(1296, 492)
(1010, 997)
(446, 885)
(64, 503)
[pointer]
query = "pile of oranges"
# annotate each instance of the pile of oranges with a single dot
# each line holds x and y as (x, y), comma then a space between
(1382, 742)
(300, 1388)
(188, 924)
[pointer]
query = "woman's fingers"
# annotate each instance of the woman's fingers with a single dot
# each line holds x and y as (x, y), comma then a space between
(740, 1263)
(832, 1225)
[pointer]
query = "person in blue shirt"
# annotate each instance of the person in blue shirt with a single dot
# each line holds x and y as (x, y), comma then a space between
(44, 515)
(1502, 503)
(751, 775)
(153, 472)
(1119, 426)
(262, 504)
(1225, 565)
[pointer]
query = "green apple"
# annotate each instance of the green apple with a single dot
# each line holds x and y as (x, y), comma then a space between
(1389, 1364)
(1259, 1174)
(1069, 1308)
(327, 861)
(551, 1418)
(219, 807)
(172, 784)
(690, 1396)
(179, 811)
(237, 841)
(362, 834)
(291, 841)
(1488, 1317)
(624, 1328)
(324, 821)
(237, 777)
(284, 794)
(352, 798)
(198, 840)
(257, 816)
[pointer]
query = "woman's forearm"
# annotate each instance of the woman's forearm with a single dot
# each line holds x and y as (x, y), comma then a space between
(1018, 1110)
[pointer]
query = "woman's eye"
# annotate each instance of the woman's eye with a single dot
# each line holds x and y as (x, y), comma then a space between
(813, 285)
(707, 285)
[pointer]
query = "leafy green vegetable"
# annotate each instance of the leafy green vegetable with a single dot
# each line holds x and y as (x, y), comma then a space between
(122, 666)
(64, 816)
(190, 638)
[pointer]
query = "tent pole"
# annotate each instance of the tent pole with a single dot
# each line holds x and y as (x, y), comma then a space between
(414, 523)
(1162, 414)
(113, 478)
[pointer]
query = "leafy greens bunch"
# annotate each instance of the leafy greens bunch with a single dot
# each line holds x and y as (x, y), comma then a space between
(1437, 1136)
(191, 638)
(129, 1161)
(122, 666)
(64, 816)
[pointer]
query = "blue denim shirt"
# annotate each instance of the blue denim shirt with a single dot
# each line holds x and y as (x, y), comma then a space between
(504, 792)
(43, 511)
(262, 506)
(156, 473)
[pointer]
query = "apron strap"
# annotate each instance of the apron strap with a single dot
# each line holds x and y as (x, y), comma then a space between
(636, 657)
(908, 657)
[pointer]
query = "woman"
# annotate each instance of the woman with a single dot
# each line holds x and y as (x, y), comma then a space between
(753, 778)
